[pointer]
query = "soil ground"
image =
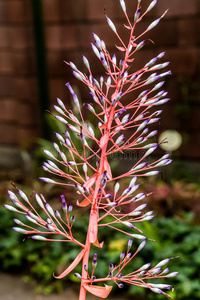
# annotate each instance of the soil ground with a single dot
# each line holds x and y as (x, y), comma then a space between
(12, 287)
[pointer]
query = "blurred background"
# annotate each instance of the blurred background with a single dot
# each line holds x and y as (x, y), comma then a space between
(36, 37)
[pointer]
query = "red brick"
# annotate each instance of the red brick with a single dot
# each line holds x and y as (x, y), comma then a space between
(24, 63)
(183, 61)
(112, 8)
(57, 88)
(55, 63)
(6, 86)
(53, 36)
(8, 134)
(8, 111)
(18, 11)
(70, 36)
(21, 37)
(25, 88)
(189, 32)
(177, 8)
(27, 135)
(164, 34)
(3, 11)
(51, 10)
(73, 10)
(169, 118)
(4, 37)
(27, 114)
(191, 145)
(6, 62)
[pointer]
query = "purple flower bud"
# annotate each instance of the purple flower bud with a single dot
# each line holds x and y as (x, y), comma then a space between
(85, 267)
(38, 237)
(78, 76)
(153, 24)
(137, 14)
(68, 143)
(86, 62)
(48, 180)
(122, 255)
(161, 55)
(114, 59)
(133, 77)
(152, 79)
(119, 113)
(163, 101)
(70, 208)
(151, 173)
(148, 218)
(39, 200)
(72, 163)
(140, 45)
(128, 224)
(165, 271)
(173, 274)
(95, 50)
(123, 5)
(125, 119)
(130, 242)
(152, 4)
(141, 246)
(90, 108)
(156, 290)
(121, 63)
(140, 166)
(144, 267)
(108, 196)
(120, 275)
(111, 266)
(23, 195)
(119, 96)
(61, 104)
(49, 221)
(151, 62)
(72, 219)
(166, 73)
(49, 209)
(120, 140)
(61, 119)
(158, 85)
(94, 263)
(59, 110)
(64, 204)
(19, 230)
(49, 227)
(111, 24)
(77, 275)
(93, 277)
(121, 285)
(155, 271)
(153, 133)
(57, 214)
(18, 222)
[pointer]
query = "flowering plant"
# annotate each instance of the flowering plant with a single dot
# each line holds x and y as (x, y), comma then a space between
(122, 126)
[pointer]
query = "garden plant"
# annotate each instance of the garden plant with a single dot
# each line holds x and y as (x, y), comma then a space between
(122, 121)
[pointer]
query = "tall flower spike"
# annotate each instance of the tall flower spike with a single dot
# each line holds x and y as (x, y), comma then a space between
(82, 159)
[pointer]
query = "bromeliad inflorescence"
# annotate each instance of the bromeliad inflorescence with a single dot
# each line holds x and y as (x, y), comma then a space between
(121, 125)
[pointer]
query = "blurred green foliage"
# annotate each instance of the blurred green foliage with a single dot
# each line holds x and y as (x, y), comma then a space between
(174, 237)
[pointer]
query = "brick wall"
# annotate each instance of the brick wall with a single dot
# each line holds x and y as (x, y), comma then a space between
(68, 27)
(18, 90)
